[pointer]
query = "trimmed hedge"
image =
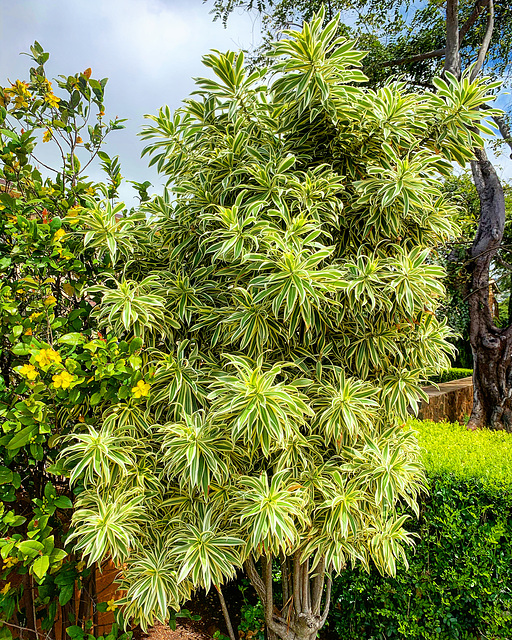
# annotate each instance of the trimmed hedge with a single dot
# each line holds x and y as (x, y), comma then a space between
(451, 374)
(459, 584)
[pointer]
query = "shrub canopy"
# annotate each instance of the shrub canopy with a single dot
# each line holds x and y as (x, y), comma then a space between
(283, 288)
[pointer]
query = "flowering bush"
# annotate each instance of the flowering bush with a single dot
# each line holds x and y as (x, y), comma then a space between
(56, 370)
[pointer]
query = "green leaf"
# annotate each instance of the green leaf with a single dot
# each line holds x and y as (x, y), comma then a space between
(21, 349)
(40, 566)
(66, 593)
(30, 548)
(72, 338)
(22, 437)
(63, 502)
(6, 475)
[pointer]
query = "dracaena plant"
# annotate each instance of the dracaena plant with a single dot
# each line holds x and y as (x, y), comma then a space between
(292, 258)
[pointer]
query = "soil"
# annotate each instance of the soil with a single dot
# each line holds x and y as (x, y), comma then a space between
(207, 606)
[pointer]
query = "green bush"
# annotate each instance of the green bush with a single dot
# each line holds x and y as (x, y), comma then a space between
(451, 374)
(459, 582)
(450, 449)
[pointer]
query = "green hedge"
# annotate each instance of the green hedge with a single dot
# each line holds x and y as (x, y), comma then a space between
(451, 374)
(459, 585)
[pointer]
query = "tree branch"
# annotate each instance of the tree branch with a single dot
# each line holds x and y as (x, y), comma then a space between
(297, 591)
(485, 42)
(225, 611)
(318, 587)
(503, 127)
(306, 600)
(255, 579)
(504, 263)
(327, 601)
(438, 53)
(477, 10)
(274, 622)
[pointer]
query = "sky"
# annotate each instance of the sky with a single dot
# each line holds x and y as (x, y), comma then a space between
(149, 49)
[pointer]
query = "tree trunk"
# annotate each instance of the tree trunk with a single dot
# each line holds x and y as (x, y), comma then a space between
(491, 346)
(300, 617)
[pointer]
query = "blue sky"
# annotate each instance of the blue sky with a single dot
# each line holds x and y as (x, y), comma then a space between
(149, 49)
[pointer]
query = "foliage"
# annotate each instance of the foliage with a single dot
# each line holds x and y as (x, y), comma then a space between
(452, 449)
(452, 374)
(56, 370)
(468, 516)
(291, 253)
(389, 30)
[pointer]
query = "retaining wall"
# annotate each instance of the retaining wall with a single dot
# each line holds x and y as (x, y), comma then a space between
(452, 402)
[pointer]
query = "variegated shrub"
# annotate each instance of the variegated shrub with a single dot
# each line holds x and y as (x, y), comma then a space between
(286, 295)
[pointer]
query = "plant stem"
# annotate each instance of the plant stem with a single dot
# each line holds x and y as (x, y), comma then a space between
(225, 612)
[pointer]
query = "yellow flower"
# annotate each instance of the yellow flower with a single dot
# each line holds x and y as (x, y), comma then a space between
(90, 191)
(28, 332)
(60, 233)
(49, 300)
(63, 379)
(10, 562)
(79, 140)
(111, 605)
(141, 389)
(47, 135)
(34, 316)
(52, 100)
(5, 589)
(29, 371)
(47, 356)
(18, 88)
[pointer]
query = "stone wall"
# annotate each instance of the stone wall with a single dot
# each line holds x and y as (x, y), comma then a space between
(452, 402)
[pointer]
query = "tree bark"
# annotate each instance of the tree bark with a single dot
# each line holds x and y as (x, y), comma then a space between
(491, 345)
(452, 57)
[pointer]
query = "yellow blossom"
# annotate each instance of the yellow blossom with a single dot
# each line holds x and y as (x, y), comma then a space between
(28, 332)
(52, 100)
(63, 379)
(79, 140)
(34, 316)
(47, 356)
(60, 233)
(29, 371)
(6, 588)
(9, 562)
(90, 191)
(111, 605)
(18, 88)
(47, 135)
(141, 389)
